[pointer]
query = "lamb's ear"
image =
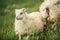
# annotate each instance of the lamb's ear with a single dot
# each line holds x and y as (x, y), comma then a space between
(25, 9)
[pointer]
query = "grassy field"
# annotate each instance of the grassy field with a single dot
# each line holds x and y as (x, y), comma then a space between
(7, 16)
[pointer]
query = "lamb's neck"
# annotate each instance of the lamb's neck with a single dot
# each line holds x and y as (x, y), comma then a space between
(24, 20)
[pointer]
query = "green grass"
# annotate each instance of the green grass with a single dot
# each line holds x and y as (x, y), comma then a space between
(7, 16)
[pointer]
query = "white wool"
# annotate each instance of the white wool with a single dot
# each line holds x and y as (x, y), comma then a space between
(54, 10)
(30, 23)
(54, 15)
(47, 3)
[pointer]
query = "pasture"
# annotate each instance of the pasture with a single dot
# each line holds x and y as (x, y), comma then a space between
(7, 18)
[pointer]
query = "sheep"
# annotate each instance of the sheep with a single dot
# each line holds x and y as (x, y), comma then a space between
(54, 15)
(53, 7)
(29, 23)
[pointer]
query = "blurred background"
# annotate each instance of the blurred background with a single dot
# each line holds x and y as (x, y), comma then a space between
(7, 18)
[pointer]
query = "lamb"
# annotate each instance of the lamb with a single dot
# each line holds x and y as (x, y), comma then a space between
(29, 23)
(53, 7)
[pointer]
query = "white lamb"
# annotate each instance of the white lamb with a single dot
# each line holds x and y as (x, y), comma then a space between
(29, 23)
(54, 11)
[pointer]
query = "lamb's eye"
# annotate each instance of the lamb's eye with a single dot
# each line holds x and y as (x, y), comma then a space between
(21, 13)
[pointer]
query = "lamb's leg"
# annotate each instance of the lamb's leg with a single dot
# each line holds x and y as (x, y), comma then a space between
(27, 38)
(38, 37)
(54, 26)
(19, 37)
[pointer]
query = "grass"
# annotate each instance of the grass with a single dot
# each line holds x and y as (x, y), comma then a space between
(7, 16)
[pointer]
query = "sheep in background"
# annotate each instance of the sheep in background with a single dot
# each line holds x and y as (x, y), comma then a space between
(53, 10)
(54, 15)
(29, 23)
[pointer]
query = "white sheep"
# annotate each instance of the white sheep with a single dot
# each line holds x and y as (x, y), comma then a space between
(54, 11)
(29, 23)
(54, 15)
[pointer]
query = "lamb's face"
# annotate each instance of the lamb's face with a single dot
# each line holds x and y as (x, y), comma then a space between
(20, 13)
